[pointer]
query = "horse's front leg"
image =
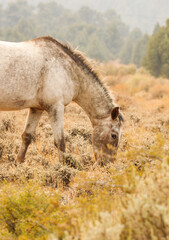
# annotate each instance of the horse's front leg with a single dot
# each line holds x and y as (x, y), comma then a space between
(29, 132)
(56, 116)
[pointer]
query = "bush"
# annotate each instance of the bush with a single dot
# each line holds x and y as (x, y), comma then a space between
(29, 212)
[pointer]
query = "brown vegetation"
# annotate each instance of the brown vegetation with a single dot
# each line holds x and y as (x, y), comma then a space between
(42, 199)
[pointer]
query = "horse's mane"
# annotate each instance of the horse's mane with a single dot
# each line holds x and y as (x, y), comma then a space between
(79, 58)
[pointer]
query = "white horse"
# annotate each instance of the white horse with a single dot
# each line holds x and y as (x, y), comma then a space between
(46, 75)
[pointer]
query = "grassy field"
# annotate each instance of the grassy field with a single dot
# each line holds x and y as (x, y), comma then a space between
(127, 200)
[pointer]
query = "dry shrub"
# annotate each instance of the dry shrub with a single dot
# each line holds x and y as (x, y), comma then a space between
(8, 141)
(106, 228)
(47, 175)
(159, 90)
(110, 80)
(139, 211)
(141, 214)
(72, 162)
(145, 213)
(138, 83)
(143, 71)
(115, 69)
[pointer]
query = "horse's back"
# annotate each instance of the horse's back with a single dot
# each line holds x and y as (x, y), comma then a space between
(20, 67)
(32, 72)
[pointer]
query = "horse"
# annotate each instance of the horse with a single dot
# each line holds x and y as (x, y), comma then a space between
(44, 74)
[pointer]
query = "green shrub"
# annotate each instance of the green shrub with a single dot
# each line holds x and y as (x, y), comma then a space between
(29, 212)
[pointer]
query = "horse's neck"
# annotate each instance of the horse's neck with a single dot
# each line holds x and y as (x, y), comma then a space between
(93, 100)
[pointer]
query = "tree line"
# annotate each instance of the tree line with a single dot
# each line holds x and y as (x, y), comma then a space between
(154, 10)
(103, 36)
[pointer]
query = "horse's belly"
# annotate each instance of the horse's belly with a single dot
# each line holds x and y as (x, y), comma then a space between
(15, 105)
(17, 92)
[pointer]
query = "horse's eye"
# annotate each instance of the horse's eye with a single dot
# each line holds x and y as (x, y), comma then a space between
(114, 136)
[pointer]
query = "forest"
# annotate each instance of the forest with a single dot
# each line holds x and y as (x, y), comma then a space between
(139, 13)
(101, 35)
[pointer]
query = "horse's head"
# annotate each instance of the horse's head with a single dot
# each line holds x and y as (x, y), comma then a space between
(106, 137)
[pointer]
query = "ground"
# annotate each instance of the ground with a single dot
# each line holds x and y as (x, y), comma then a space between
(129, 199)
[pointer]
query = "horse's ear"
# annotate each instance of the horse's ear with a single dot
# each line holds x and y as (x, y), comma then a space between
(115, 113)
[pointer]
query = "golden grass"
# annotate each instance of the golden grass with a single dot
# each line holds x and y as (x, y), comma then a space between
(41, 199)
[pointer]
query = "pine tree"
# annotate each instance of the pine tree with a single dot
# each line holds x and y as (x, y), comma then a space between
(139, 50)
(156, 59)
(126, 51)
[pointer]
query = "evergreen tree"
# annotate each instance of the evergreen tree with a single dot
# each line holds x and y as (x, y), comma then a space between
(90, 16)
(15, 11)
(139, 50)
(113, 39)
(156, 59)
(128, 46)
(156, 28)
(100, 52)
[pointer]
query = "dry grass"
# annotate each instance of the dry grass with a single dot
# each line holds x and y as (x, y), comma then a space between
(41, 199)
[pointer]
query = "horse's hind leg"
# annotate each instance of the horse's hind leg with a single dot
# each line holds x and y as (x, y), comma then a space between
(29, 132)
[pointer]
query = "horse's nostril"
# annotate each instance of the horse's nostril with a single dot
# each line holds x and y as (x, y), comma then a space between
(114, 136)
